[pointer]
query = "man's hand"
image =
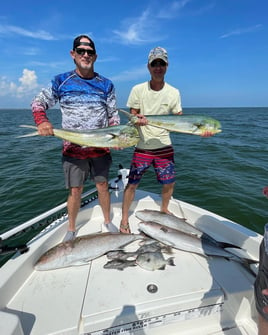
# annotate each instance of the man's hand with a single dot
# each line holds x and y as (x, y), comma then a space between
(141, 121)
(45, 129)
(207, 133)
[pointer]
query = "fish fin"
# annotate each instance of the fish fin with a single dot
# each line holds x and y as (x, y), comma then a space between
(35, 133)
(164, 229)
(167, 250)
(80, 262)
(162, 267)
(171, 261)
(228, 245)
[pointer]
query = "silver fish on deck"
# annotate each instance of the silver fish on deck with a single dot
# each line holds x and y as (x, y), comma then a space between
(174, 222)
(168, 220)
(122, 136)
(187, 124)
(83, 249)
(182, 241)
(152, 261)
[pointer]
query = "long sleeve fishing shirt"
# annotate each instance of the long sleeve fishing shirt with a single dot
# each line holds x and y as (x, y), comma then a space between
(85, 104)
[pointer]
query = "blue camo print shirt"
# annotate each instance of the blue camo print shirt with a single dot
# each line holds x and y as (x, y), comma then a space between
(84, 104)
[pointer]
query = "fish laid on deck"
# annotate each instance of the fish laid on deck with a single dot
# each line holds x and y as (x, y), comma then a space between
(184, 242)
(122, 136)
(174, 222)
(83, 249)
(151, 261)
(187, 124)
(119, 264)
(148, 256)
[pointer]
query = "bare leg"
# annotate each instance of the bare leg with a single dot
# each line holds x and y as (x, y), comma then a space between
(73, 205)
(263, 326)
(167, 192)
(129, 195)
(104, 200)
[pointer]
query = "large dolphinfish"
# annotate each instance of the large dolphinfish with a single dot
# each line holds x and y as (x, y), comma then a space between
(122, 136)
(187, 124)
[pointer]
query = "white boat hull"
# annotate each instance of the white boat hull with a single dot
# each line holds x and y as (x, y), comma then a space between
(198, 295)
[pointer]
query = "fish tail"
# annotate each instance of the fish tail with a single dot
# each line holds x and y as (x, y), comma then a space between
(35, 133)
(171, 261)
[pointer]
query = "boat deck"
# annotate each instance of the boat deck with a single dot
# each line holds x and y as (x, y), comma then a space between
(201, 296)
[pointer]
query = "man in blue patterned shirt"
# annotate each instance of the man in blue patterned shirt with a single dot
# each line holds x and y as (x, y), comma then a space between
(87, 101)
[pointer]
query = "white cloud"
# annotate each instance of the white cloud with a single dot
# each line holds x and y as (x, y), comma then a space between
(171, 9)
(147, 27)
(27, 85)
(136, 30)
(243, 31)
(15, 30)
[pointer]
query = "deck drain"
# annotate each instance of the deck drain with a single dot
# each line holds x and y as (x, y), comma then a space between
(152, 288)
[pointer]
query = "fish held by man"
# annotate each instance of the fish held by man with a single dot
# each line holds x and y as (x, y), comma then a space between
(83, 249)
(122, 136)
(186, 124)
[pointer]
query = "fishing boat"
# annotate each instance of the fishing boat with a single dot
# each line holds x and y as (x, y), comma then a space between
(198, 296)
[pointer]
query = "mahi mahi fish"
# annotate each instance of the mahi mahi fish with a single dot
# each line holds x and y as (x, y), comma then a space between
(83, 249)
(122, 136)
(187, 124)
(185, 242)
(175, 222)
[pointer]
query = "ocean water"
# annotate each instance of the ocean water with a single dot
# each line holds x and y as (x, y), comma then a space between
(224, 173)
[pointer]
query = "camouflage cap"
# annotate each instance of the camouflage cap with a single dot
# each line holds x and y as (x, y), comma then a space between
(158, 53)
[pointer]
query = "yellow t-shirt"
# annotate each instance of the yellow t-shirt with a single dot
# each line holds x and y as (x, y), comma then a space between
(150, 102)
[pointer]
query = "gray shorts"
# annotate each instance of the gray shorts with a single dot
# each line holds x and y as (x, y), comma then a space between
(76, 171)
(261, 282)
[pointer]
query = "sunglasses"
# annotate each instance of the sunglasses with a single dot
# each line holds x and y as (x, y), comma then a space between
(82, 52)
(156, 63)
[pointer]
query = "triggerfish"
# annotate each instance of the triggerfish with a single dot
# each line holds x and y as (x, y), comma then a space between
(122, 136)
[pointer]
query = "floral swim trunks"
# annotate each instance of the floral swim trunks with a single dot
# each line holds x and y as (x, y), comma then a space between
(161, 159)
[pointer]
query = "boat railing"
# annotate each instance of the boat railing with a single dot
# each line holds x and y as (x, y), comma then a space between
(45, 219)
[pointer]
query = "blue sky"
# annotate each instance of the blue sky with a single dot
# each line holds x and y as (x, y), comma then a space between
(217, 49)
